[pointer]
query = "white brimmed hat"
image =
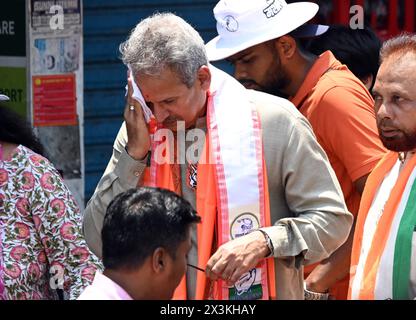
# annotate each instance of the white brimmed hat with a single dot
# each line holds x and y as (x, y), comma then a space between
(242, 24)
(3, 97)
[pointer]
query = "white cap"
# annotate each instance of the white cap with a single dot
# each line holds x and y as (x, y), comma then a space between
(242, 24)
(3, 97)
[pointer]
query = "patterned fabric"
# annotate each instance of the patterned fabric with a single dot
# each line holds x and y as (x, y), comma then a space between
(1, 265)
(1, 237)
(42, 246)
(192, 175)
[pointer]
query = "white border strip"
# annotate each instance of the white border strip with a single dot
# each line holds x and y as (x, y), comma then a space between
(6, 61)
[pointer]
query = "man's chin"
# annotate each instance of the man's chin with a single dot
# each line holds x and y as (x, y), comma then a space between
(397, 145)
(275, 92)
(253, 87)
(177, 126)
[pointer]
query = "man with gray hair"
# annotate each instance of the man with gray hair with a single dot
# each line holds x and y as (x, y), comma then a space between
(247, 161)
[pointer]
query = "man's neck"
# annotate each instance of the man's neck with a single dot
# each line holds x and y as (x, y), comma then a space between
(200, 121)
(8, 149)
(299, 71)
(129, 282)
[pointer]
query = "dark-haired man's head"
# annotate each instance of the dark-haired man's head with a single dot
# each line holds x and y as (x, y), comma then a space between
(146, 239)
(358, 49)
(395, 94)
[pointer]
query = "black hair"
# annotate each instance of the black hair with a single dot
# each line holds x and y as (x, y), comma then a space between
(139, 221)
(14, 129)
(358, 49)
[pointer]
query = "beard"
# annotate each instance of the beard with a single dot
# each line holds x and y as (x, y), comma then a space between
(270, 88)
(274, 81)
(273, 84)
(403, 141)
(276, 78)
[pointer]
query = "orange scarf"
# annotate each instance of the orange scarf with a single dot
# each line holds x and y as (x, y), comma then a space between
(206, 205)
(384, 225)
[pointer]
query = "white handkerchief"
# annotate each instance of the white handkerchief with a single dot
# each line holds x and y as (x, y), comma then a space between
(137, 95)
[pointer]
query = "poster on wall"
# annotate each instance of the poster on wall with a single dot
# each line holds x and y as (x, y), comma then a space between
(54, 100)
(56, 55)
(46, 12)
(56, 77)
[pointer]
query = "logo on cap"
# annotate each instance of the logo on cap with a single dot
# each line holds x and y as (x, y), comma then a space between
(231, 23)
(273, 8)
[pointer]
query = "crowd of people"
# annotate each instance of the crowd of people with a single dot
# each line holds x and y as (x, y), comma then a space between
(296, 179)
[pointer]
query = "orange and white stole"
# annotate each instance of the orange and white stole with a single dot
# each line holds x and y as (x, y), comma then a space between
(380, 267)
(231, 193)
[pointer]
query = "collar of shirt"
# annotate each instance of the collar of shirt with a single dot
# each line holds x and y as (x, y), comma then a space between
(109, 288)
(325, 62)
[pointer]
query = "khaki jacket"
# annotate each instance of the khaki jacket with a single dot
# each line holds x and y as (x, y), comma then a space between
(308, 212)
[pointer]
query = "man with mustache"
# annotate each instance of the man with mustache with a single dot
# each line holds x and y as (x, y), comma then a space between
(383, 262)
(267, 196)
(267, 53)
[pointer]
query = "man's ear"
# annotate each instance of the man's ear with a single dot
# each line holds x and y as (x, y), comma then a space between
(286, 46)
(159, 260)
(204, 77)
(368, 81)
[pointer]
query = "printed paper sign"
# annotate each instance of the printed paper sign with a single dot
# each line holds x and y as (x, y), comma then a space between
(44, 11)
(54, 100)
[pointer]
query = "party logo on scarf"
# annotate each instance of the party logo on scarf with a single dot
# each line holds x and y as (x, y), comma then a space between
(245, 289)
(243, 225)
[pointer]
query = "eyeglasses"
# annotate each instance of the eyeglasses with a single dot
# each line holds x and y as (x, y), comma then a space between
(195, 267)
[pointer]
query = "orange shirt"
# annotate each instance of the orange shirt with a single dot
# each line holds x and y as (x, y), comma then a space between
(340, 110)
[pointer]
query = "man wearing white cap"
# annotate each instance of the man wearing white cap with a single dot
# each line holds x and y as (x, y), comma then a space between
(261, 39)
(267, 195)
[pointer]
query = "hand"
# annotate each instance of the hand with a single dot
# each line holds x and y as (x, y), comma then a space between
(237, 257)
(138, 143)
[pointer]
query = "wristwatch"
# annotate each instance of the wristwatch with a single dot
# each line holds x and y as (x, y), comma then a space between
(269, 243)
(310, 295)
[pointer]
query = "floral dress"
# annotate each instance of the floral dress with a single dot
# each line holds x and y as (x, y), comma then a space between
(41, 244)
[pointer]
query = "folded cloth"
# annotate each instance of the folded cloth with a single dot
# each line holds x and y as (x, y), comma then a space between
(137, 95)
